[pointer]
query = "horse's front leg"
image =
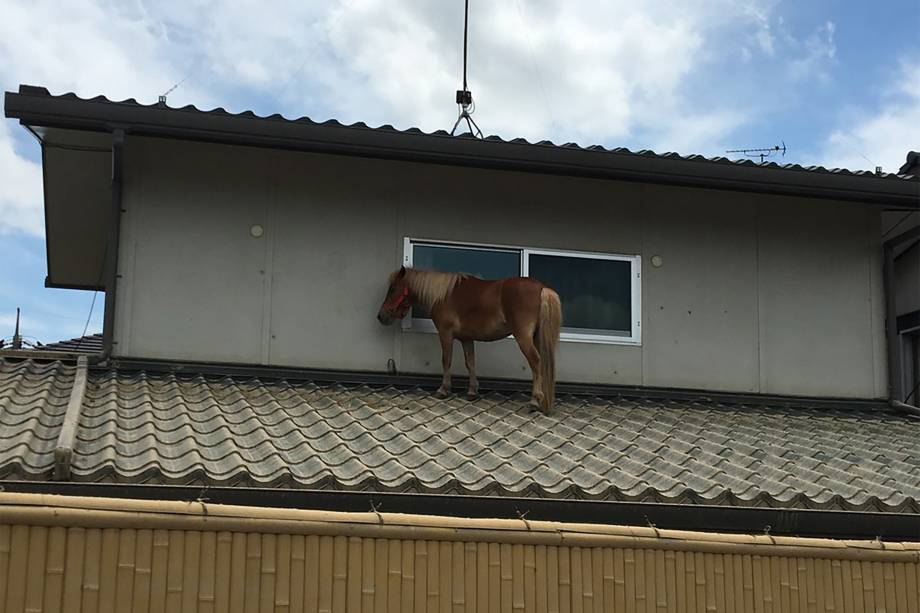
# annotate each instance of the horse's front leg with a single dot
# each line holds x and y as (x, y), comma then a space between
(470, 357)
(447, 351)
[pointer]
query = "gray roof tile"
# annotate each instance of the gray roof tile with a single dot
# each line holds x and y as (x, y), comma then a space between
(245, 432)
(33, 401)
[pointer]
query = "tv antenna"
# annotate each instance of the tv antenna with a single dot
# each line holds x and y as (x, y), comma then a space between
(763, 152)
(464, 96)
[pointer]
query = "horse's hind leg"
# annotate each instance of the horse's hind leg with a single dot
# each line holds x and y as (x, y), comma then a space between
(524, 339)
(470, 357)
(447, 351)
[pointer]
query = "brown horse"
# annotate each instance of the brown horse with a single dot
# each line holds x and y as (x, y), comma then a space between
(469, 309)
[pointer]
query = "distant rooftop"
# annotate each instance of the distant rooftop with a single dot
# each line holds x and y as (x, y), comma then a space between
(91, 343)
(912, 165)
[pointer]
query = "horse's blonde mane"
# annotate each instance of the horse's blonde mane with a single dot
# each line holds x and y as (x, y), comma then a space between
(430, 287)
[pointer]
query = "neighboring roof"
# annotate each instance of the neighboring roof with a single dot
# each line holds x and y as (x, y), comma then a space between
(38, 109)
(91, 343)
(912, 165)
(147, 427)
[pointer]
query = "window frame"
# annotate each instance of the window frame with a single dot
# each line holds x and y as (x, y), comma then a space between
(909, 338)
(411, 324)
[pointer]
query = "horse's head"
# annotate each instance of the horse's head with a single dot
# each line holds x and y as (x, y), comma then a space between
(397, 302)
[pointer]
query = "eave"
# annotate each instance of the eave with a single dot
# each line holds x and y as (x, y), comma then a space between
(35, 107)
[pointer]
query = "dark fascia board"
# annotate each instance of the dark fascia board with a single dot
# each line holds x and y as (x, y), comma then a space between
(739, 520)
(45, 215)
(35, 107)
(52, 285)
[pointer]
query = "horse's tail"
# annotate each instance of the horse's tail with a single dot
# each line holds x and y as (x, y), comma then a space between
(547, 338)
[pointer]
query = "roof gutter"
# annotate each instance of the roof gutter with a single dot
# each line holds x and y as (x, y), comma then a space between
(34, 106)
(896, 391)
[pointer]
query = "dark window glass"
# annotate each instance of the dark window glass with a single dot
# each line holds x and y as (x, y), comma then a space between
(595, 293)
(482, 263)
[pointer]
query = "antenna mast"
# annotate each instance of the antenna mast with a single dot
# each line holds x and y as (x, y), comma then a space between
(464, 96)
(17, 338)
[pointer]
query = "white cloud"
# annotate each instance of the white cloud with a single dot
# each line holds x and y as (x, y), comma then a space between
(20, 190)
(884, 135)
(816, 53)
(82, 46)
(85, 46)
(760, 15)
(702, 133)
(576, 70)
(239, 44)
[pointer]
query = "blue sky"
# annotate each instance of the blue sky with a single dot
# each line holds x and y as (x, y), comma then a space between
(838, 81)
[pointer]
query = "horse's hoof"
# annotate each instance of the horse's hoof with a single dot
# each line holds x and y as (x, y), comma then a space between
(472, 395)
(441, 394)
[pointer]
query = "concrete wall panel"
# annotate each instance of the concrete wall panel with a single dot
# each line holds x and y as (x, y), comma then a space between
(756, 293)
(815, 299)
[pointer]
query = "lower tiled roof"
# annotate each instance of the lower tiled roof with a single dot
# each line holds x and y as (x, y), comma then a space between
(89, 344)
(145, 427)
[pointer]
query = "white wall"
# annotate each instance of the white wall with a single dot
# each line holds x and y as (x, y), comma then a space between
(757, 293)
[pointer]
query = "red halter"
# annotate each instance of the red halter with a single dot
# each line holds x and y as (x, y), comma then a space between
(398, 301)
